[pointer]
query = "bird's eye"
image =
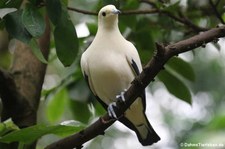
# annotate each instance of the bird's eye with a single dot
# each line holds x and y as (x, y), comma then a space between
(103, 14)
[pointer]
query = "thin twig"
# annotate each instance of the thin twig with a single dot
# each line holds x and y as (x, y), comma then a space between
(82, 11)
(217, 3)
(184, 20)
(214, 8)
(127, 12)
(132, 12)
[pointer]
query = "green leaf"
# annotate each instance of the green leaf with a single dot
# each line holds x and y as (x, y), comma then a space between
(143, 39)
(33, 21)
(2, 24)
(217, 123)
(15, 27)
(175, 86)
(128, 21)
(10, 3)
(66, 41)
(37, 51)
(112, 2)
(223, 16)
(7, 126)
(5, 59)
(54, 9)
(172, 8)
(56, 105)
(181, 67)
(92, 27)
(33, 2)
(30, 134)
(80, 115)
(130, 4)
(99, 110)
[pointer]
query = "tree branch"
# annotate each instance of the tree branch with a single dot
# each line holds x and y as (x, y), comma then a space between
(154, 66)
(82, 11)
(183, 20)
(14, 105)
(20, 88)
(127, 12)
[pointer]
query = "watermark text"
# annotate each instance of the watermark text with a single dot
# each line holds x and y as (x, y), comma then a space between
(205, 145)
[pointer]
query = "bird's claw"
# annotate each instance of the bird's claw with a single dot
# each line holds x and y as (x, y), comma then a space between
(113, 105)
(121, 96)
(111, 110)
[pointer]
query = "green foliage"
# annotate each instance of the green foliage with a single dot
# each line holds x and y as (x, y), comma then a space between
(175, 86)
(182, 68)
(7, 126)
(10, 3)
(28, 23)
(69, 96)
(54, 10)
(2, 24)
(218, 123)
(33, 21)
(80, 111)
(143, 40)
(173, 8)
(30, 134)
(5, 59)
(25, 24)
(36, 50)
(56, 105)
(66, 41)
(15, 26)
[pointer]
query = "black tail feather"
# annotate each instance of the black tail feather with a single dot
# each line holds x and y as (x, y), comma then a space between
(152, 136)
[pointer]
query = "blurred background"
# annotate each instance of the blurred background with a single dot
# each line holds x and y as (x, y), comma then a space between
(186, 102)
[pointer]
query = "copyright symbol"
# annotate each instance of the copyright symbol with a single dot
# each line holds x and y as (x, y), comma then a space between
(181, 144)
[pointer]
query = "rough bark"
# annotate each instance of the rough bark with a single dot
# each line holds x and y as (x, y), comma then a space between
(20, 87)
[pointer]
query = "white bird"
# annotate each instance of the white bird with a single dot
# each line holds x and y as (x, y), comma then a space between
(109, 65)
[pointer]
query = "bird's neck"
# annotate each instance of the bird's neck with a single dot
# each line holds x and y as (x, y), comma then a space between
(109, 27)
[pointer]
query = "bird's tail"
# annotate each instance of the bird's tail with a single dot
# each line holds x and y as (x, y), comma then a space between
(146, 134)
(144, 131)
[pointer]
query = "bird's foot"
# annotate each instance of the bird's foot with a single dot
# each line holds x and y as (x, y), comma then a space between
(113, 106)
(111, 110)
(121, 96)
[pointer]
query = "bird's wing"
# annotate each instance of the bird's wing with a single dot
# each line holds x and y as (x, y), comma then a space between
(86, 74)
(135, 64)
(85, 71)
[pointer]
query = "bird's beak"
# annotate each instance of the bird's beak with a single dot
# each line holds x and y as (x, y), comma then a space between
(116, 11)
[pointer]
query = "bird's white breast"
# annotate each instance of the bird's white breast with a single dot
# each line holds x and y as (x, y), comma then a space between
(109, 72)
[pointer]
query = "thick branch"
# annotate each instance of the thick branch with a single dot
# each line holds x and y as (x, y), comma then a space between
(20, 88)
(22, 85)
(15, 106)
(154, 66)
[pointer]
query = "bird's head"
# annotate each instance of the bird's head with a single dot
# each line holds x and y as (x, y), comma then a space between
(108, 16)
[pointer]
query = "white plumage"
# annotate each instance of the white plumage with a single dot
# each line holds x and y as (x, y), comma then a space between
(109, 65)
